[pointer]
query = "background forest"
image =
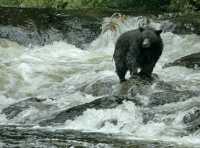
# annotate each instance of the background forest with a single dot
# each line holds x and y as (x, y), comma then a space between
(168, 5)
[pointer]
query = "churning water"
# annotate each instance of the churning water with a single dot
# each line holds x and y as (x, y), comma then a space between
(59, 71)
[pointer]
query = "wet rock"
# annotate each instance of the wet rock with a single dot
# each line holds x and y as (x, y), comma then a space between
(15, 109)
(6, 43)
(162, 98)
(161, 85)
(192, 120)
(190, 61)
(187, 24)
(110, 101)
(43, 26)
(126, 91)
(168, 26)
(180, 27)
(134, 86)
(100, 87)
(71, 113)
(180, 23)
(109, 121)
(27, 37)
(148, 116)
(26, 136)
(159, 99)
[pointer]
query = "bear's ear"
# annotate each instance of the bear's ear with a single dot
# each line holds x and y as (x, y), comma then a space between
(158, 32)
(141, 29)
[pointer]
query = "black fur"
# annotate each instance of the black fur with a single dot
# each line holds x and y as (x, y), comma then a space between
(130, 54)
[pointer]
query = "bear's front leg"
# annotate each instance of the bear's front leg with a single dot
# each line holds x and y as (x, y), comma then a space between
(132, 63)
(121, 69)
(146, 70)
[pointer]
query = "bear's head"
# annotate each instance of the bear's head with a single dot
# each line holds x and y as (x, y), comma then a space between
(149, 36)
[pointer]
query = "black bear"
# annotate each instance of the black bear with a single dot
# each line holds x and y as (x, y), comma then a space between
(137, 51)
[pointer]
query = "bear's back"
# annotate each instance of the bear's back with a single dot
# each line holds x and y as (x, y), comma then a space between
(128, 38)
(130, 35)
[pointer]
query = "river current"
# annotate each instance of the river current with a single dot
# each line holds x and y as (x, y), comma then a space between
(59, 71)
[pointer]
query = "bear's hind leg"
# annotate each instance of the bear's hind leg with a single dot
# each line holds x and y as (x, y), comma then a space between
(121, 72)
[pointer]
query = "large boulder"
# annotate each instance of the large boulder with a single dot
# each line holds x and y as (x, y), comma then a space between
(41, 105)
(71, 113)
(189, 61)
(172, 96)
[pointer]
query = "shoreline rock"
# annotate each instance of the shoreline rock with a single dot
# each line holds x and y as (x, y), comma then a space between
(189, 61)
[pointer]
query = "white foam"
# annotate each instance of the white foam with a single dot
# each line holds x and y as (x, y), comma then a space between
(124, 118)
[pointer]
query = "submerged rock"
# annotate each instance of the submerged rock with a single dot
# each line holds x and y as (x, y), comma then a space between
(15, 109)
(156, 110)
(131, 90)
(71, 113)
(189, 61)
(173, 96)
(100, 87)
(192, 120)
(134, 86)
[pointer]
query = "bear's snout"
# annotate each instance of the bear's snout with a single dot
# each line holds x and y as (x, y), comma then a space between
(146, 43)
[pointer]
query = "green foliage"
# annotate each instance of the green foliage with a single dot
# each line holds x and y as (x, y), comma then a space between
(177, 5)
(36, 3)
(9, 3)
(121, 4)
(185, 5)
(138, 3)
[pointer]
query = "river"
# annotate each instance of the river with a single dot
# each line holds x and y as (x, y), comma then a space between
(63, 76)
